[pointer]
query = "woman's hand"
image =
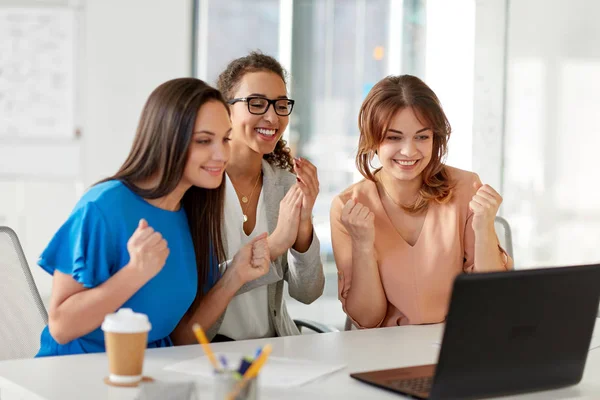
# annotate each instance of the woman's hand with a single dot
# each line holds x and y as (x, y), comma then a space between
(252, 261)
(286, 232)
(148, 250)
(308, 182)
(484, 204)
(359, 222)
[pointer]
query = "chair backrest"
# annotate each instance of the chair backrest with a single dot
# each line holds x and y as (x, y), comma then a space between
(504, 236)
(22, 312)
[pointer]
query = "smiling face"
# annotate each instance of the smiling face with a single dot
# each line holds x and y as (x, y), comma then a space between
(407, 146)
(208, 152)
(258, 132)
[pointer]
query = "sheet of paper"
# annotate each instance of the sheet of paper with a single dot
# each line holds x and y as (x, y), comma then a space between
(277, 372)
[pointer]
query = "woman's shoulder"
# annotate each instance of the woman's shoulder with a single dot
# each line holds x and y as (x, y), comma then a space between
(106, 195)
(463, 182)
(363, 191)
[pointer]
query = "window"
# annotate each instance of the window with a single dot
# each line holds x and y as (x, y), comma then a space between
(552, 198)
(335, 51)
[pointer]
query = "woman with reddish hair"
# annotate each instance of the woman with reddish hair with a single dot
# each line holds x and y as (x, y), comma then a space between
(401, 235)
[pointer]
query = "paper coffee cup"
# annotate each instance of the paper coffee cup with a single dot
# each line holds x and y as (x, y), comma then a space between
(126, 337)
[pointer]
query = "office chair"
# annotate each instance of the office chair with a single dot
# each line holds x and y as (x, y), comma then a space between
(314, 326)
(504, 235)
(22, 313)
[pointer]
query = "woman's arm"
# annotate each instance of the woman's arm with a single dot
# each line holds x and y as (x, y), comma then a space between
(211, 307)
(302, 267)
(480, 233)
(305, 236)
(359, 284)
(488, 256)
(288, 221)
(251, 262)
(304, 272)
(308, 182)
(75, 311)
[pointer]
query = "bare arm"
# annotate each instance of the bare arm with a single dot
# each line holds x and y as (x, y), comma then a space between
(308, 182)
(481, 234)
(365, 300)
(488, 256)
(288, 222)
(210, 308)
(359, 284)
(251, 262)
(76, 311)
(304, 239)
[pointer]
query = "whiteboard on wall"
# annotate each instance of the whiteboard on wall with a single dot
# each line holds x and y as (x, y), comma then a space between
(37, 72)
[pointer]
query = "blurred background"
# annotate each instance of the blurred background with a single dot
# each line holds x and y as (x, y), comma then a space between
(519, 80)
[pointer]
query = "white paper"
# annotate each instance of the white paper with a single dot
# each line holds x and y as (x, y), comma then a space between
(277, 372)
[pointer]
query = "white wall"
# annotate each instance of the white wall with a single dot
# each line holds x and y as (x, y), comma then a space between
(552, 197)
(125, 49)
(488, 90)
(449, 71)
(131, 47)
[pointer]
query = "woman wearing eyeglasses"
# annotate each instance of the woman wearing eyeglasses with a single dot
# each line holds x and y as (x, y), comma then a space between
(269, 191)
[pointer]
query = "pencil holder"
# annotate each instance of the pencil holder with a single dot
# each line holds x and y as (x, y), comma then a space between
(226, 383)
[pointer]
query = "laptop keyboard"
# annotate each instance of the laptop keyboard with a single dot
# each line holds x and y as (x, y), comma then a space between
(415, 385)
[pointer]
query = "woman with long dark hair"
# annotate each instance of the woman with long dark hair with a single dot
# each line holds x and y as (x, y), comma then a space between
(149, 237)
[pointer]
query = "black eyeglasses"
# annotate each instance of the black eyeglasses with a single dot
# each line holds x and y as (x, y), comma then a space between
(260, 105)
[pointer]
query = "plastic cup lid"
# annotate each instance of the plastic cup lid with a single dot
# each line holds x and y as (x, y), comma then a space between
(126, 321)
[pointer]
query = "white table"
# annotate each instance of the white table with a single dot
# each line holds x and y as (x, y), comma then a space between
(81, 377)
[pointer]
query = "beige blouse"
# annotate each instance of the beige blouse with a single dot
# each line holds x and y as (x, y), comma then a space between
(418, 279)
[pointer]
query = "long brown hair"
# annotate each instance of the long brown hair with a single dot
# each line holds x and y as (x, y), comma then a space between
(385, 99)
(160, 149)
(229, 81)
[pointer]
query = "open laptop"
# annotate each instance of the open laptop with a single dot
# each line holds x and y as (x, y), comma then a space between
(507, 333)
